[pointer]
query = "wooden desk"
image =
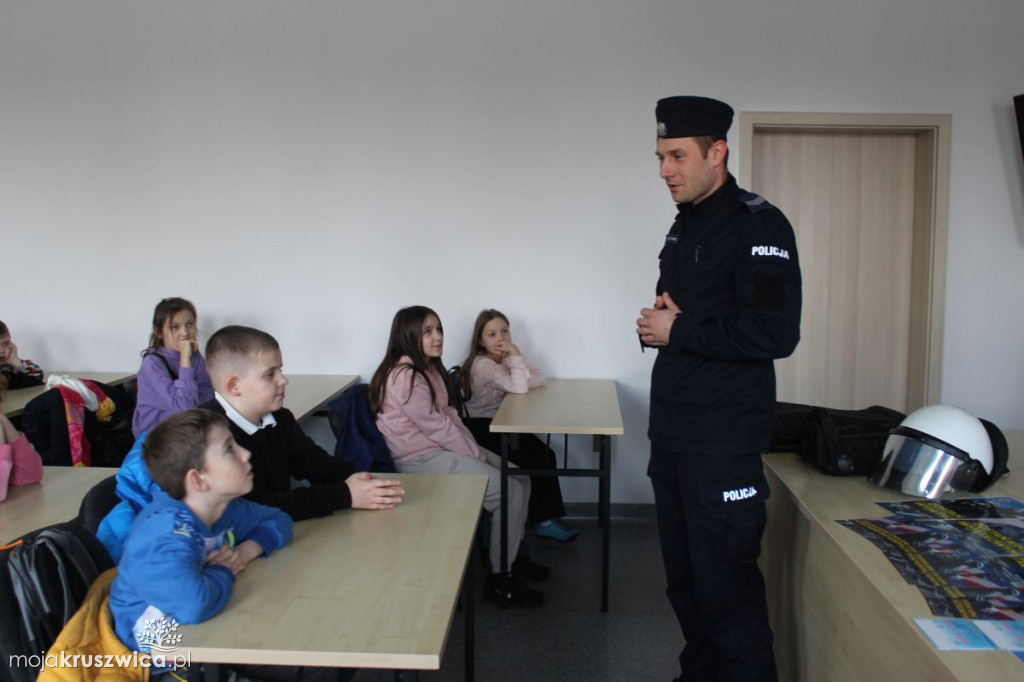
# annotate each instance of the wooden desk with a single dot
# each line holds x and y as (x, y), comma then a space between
(15, 401)
(307, 393)
(366, 589)
(54, 499)
(839, 609)
(568, 406)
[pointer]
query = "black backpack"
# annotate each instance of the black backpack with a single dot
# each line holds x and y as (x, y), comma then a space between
(43, 579)
(835, 442)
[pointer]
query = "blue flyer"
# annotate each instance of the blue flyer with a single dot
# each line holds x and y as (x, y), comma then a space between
(954, 633)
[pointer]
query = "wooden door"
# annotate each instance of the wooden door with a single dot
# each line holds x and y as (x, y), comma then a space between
(862, 203)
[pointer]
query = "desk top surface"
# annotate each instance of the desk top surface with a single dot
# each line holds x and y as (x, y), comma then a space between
(371, 589)
(573, 406)
(54, 499)
(15, 400)
(826, 499)
(307, 393)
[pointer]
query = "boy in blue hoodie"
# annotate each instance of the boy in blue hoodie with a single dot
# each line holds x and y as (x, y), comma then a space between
(187, 546)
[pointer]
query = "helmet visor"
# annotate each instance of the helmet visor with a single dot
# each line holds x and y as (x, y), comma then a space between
(917, 468)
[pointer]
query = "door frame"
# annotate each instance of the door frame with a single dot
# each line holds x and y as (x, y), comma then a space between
(930, 227)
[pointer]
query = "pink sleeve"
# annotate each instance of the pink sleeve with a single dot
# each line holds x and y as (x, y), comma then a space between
(439, 426)
(28, 465)
(5, 469)
(510, 376)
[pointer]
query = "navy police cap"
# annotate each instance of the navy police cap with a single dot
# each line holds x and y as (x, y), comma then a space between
(689, 116)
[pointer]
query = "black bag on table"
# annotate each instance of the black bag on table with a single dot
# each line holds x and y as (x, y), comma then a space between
(835, 442)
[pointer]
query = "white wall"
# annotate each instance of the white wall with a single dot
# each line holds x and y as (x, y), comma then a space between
(310, 166)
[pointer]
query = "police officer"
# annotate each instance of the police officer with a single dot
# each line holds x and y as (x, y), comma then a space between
(727, 305)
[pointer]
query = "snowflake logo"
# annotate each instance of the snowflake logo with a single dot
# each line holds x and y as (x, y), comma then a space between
(160, 634)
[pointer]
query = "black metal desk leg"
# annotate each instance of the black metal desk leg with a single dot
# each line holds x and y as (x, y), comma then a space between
(596, 445)
(469, 613)
(604, 503)
(505, 558)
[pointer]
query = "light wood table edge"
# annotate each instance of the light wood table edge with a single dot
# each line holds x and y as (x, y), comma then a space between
(847, 544)
(297, 399)
(339, 658)
(612, 430)
(229, 656)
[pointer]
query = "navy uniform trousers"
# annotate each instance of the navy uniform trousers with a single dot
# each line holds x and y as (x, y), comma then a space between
(711, 516)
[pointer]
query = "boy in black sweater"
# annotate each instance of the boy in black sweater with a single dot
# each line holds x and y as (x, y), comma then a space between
(245, 366)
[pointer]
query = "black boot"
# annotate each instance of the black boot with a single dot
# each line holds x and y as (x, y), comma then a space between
(517, 593)
(524, 568)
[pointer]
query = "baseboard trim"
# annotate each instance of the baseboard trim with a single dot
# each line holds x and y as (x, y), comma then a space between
(626, 512)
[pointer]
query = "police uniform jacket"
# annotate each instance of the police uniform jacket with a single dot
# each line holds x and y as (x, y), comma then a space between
(730, 264)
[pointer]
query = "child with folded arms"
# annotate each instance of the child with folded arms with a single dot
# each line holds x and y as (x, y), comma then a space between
(189, 544)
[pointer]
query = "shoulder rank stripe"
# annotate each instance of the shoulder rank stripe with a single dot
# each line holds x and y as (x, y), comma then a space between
(754, 202)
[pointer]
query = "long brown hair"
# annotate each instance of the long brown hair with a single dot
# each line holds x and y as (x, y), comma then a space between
(406, 339)
(476, 349)
(165, 309)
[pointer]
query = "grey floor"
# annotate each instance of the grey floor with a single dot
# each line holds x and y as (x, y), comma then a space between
(568, 638)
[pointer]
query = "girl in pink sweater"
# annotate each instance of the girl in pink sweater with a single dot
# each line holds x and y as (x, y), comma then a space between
(495, 366)
(19, 461)
(409, 396)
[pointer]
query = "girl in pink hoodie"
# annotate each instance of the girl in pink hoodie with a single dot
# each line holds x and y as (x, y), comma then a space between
(495, 366)
(409, 396)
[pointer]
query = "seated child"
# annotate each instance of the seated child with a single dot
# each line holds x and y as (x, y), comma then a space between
(245, 365)
(18, 371)
(187, 546)
(19, 462)
(495, 366)
(410, 398)
(173, 375)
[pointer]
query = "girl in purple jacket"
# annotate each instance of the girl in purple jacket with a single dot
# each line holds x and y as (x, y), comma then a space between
(173, 374)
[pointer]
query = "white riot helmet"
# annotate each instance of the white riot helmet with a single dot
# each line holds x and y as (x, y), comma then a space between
(941, 449)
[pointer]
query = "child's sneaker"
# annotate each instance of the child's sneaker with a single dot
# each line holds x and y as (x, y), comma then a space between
(556, 531)
(524, 568)
(517, 594)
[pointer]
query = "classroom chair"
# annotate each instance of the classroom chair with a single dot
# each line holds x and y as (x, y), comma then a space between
(98, 502)
(455, 390)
